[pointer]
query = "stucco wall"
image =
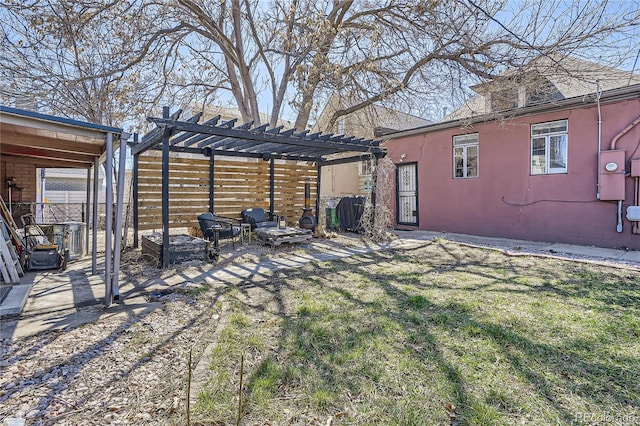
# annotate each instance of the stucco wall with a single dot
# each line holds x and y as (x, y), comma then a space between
(556, 208)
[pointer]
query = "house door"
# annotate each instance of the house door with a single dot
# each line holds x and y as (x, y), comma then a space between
(407, 199)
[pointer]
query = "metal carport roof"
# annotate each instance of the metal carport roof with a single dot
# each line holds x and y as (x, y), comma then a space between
(51, 141)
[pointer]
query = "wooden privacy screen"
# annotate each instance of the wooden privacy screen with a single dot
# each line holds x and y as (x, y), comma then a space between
(238, 184)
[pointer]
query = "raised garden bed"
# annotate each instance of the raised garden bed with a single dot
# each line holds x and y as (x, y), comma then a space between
(182, 248)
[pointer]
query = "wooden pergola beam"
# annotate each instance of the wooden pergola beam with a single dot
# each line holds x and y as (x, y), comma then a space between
(284, 138)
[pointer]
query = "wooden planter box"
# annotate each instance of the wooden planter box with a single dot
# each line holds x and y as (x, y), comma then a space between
(182, 248)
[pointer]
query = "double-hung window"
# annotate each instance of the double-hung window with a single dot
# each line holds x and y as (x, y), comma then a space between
(465, 156)
(549, 147)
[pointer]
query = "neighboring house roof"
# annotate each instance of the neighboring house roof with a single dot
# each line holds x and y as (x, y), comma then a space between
(227, 113)
(365, 122)
(617, 94)
(552, 78)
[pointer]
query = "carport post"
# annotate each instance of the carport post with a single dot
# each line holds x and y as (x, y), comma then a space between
(108, 219)
(94, 218)
(165, 192)
(87, 211)
(122, 150)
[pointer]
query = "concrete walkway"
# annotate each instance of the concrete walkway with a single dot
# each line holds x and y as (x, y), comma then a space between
(52, 300)
(570, 251)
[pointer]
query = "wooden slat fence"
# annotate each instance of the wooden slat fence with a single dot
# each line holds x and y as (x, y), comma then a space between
(238, 185)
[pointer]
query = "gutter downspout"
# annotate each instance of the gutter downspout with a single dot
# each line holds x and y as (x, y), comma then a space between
(623, 132)
(614, 141)
(635, 229)
(619, 225)
(598, 93)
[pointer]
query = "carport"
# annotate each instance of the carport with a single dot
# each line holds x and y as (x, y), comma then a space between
(30, 140)
(216, 138)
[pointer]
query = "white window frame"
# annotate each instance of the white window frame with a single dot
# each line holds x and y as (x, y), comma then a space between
(547, 131)
(465, 142)
(365, 167)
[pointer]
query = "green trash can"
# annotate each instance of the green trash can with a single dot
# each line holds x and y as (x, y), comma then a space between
(332, 219)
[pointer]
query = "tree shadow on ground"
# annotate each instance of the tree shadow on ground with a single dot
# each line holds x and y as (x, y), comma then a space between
(323, 337)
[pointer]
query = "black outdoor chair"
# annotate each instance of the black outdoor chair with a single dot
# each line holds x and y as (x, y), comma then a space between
(257, 217)
(209, 224)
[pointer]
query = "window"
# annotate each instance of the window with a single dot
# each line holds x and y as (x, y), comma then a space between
(465, 156)
(365, 168)
(503, 99)
(549, 148)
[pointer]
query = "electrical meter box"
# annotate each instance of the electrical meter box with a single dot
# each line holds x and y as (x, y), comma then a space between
(612, 175)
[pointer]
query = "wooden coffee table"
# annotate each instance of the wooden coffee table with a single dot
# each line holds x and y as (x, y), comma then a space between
(275, 236)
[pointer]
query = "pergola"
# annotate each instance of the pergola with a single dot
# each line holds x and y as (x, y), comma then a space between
(216, 137)
(28, 137)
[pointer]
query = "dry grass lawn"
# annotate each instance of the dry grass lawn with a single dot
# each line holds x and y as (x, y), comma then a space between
(435, 335)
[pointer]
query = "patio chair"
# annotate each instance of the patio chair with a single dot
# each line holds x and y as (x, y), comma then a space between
(257, 217)
(209, 224)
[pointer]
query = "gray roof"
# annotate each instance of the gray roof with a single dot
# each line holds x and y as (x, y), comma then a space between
(612, 95)
(571, 77)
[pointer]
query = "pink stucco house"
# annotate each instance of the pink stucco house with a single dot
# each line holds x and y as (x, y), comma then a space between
(550, 168)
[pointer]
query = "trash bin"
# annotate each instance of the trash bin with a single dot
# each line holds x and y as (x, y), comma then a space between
(332, 219)
(75, 234)
(55, 232)
(58, 235)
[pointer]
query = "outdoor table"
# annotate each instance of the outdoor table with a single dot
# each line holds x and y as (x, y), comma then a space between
(276, 236)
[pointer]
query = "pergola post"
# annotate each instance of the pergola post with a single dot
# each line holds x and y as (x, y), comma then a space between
(211, 180)
(165, 192)
(136, 218)
(272, 185)
(319, 168)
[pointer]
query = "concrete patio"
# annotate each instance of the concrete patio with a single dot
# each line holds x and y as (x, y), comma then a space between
(48, 300)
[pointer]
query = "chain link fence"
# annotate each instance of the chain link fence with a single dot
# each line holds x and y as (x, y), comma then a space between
(57, 213)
